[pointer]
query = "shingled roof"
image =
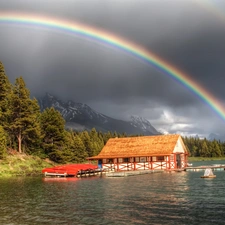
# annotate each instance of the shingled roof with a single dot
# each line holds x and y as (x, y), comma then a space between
(139, 146)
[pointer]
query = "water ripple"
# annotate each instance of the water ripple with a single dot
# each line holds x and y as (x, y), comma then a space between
(160, 198)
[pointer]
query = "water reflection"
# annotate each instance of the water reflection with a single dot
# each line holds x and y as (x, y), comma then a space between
(158, 198)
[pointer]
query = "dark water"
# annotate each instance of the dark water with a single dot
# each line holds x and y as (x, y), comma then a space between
(159, 198)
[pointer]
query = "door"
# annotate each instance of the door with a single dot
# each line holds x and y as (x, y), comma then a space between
(178, 161)
(100, 163)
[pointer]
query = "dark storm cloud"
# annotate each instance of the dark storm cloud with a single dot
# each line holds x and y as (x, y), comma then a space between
(112, 82)
(202, 57)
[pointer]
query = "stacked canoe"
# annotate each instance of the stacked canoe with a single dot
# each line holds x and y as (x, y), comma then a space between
(69, 170)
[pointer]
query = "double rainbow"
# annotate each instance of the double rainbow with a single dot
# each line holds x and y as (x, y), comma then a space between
(120, 43)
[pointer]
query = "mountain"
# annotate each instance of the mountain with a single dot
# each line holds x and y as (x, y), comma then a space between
(79, 116)
(218, 137)
(143, 123)
(163, 131)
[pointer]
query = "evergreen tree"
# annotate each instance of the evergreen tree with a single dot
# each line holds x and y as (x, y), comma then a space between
(223, 148)
(195, 150)
(210, 147)
(204, 152)
(54, 139)
(3, 146)
(23, 114)
(106, 137)
(78, 150)
(115, 134)
(97, 143)
(204, 147)
(87, 143)
(34, 137)
(5, 88)
(75, 151)
(216, 149)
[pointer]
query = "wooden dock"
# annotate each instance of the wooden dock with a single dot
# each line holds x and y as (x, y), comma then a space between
(200, 168)
(131, 173)
(86, 170)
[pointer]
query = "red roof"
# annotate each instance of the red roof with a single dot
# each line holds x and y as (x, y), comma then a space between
(159, 145)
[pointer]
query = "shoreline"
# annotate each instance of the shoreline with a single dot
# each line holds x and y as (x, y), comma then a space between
(199, 159)
(23, 165)
(27, 165)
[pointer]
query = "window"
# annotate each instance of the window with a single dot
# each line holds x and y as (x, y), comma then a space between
(126, 160)
(110, 161)
(120, 160)
(137, 159)
(142, 159)
(160, 158)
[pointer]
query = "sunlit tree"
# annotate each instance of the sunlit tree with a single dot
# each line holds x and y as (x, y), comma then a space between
(24, 114)
(53, 132)
(5, 89)
(3, 146)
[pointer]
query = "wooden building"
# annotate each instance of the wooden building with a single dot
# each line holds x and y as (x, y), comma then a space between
(164, 152)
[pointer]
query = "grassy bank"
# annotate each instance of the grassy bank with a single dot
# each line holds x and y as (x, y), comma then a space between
(195, 159)
(22, 165)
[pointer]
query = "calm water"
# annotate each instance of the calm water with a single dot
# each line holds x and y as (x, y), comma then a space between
(160, 198)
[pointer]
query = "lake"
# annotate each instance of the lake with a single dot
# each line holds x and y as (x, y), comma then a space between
(157, 198)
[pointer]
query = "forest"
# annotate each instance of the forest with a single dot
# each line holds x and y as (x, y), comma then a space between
(25, 129)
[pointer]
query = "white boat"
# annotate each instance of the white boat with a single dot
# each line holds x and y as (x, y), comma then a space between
(189, 164)
(208, 174)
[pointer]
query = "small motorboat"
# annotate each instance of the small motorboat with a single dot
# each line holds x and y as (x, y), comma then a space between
(189, 164)
(208, 174)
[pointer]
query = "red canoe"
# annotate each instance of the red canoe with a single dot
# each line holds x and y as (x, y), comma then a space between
(69, 169)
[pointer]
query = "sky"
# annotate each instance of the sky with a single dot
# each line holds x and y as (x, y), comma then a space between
(187, 34)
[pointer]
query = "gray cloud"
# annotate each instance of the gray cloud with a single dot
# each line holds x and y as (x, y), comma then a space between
(112, 82)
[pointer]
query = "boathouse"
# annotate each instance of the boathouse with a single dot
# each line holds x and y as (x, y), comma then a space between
(164, 152)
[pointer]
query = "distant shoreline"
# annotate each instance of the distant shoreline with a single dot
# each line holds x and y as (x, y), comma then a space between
(197, 159)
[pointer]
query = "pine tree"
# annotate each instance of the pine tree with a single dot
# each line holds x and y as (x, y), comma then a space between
(97, 143)
(23, 114)
(107, 136)
(87, 143)
(216, 149)
(223, 148)
(54, 139)
(3, 146)
(204, 151)
(78, 150)
(5, 88)
(211, 148)
(34, 137)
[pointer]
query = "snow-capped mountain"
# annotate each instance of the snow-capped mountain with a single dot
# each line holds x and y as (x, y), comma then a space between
(163, 131)
(71, 110)
(79, 116)
(143, 123)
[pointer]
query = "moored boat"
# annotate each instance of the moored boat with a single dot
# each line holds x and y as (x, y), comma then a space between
(208, 174)
(70, 170)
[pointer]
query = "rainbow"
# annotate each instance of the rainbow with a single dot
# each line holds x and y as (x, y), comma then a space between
(213, 8)
(117, 42)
